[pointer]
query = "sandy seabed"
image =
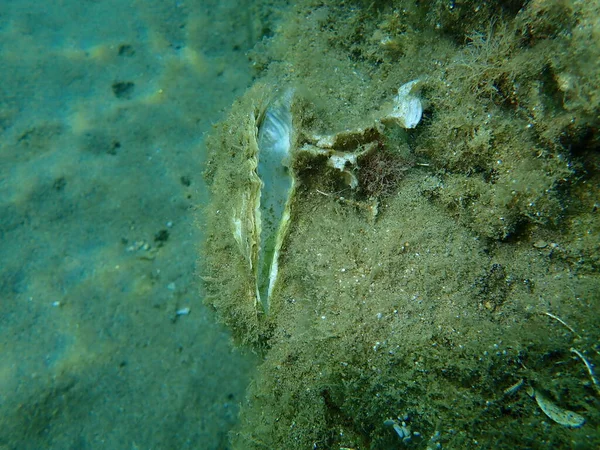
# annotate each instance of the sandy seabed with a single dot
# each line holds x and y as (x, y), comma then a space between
(103, 111)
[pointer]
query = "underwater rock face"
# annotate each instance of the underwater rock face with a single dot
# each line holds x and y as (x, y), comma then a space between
(414, 307)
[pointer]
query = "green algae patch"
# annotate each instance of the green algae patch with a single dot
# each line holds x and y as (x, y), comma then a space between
(419, 296)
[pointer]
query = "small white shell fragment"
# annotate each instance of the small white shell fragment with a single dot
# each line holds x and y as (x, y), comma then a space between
(339, 161)
(561, 416)
(325, 141)
(183, 311)
(408, 108)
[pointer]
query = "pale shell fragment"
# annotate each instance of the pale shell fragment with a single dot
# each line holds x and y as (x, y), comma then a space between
(183, 311)
(561, 416)
(338, 162)
(408, 109)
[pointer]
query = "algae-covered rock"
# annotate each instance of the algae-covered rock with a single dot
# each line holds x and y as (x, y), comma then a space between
(409, 287)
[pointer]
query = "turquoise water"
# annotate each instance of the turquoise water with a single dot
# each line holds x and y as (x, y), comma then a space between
(103, 110)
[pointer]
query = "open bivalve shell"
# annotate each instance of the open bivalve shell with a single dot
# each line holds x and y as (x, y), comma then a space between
(268, 149)
(261, 217)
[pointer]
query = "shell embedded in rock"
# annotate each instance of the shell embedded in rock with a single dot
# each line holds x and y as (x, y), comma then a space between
(277, 185)
(261, 216)
(262, 212)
